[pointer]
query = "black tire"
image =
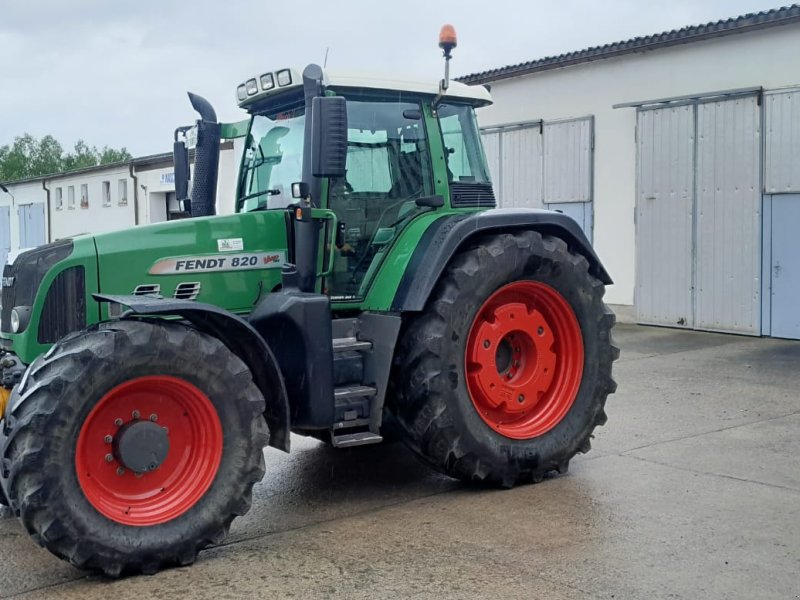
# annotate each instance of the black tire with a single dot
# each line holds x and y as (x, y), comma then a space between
(59, 391)
(431, 401)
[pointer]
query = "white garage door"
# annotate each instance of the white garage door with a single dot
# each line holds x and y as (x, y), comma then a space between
(698, 237)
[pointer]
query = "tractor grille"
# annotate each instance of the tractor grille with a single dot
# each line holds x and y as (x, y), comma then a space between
(65, 306)
(469, 195)
(22, 278)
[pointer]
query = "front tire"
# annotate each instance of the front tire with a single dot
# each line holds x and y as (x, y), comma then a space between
(505, 375)
(135, 444)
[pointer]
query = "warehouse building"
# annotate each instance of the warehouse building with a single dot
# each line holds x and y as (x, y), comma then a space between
(679, 154)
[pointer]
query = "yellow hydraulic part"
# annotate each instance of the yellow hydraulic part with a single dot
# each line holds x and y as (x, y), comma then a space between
(4, 394)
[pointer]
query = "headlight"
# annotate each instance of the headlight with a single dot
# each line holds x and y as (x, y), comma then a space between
(267, 83)
(19, 317)
(251, 87)
(284, 77)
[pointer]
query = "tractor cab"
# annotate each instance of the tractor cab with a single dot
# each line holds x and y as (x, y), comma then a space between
(395, 150)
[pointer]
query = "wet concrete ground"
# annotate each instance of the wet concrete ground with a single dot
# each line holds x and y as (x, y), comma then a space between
(692, 491)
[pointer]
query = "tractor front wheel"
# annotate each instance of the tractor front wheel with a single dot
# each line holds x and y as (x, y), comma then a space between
(505, 375)
(134, 445)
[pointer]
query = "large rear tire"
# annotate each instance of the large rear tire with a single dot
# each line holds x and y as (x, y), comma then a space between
(505, 374)
(135, 444)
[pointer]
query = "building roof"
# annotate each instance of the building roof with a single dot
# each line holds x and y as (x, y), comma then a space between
(694, 33)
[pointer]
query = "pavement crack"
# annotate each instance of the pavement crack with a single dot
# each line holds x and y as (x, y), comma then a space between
(712, 474)
(702, 433)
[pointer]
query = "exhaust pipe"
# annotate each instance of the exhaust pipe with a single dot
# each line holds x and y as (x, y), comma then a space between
(206, 159)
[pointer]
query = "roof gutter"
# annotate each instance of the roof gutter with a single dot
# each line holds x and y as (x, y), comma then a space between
(49, 213)
(135, 193)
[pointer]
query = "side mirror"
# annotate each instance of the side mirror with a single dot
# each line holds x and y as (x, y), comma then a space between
(430, 201)
(300, 190)
(328, 136)
(180, 158)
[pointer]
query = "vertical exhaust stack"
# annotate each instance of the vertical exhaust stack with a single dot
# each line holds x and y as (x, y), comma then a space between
(206, 159)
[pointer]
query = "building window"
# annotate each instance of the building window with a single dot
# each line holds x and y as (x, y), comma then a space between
(123, 192)
(71, 197)
(84, 195)
(59, 198)
(106, 193)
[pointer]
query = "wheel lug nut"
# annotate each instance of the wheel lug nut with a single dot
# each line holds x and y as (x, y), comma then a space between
(540, 331)
(486, 343)
(118, 422)
(154, 417)
(521, 398)
(166, 429)
(108, 439)
(135, 414)
(509, 376)
(138, 475)
(109, 457)
(120, 470)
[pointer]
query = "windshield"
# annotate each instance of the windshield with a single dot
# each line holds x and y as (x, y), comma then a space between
(273, 160)
(466, 162)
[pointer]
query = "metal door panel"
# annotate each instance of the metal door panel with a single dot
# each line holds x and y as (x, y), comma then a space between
(491, 147)
(785, 267)
(664, 221)
(567, 160)
(521, 167)
(728, 250)
(782, 142)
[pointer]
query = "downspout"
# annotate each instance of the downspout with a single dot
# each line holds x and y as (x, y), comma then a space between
(49, 212)
(135, 193)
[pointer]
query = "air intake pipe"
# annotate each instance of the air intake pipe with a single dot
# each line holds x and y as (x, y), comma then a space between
(206, 159)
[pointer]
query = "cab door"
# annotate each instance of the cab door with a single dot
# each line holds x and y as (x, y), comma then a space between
(388, 168)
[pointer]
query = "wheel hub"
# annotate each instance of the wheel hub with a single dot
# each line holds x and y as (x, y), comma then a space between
(149, 450)
(141, 446)
(524, 359)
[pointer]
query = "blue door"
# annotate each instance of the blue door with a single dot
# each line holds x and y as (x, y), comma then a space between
(580, 211)
(785, 267)
(5, 234)
(31, 225)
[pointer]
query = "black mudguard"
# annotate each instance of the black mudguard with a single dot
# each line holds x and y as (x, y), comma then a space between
(240, 337)
(446, 235)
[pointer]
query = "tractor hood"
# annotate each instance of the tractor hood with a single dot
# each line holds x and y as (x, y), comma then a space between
(230, 261)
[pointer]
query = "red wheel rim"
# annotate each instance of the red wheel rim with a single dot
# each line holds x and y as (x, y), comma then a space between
(524, 359)
(194, 432)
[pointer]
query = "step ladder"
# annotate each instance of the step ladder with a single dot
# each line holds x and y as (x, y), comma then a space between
(352, 399)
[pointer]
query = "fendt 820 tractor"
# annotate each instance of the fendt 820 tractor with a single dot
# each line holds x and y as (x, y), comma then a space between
(365, 285)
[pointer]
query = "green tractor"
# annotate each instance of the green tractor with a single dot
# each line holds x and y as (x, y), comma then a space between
(366, 284)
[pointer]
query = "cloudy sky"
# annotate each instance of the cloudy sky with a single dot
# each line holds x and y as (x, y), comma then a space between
(115, 72)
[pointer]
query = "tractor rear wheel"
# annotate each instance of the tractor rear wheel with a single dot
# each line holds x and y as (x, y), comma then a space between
(134, 445)
(505, 375)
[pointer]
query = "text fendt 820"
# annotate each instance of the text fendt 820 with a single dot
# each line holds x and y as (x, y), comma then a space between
(365, 283)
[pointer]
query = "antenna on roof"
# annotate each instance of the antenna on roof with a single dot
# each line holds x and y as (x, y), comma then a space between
(325, 62)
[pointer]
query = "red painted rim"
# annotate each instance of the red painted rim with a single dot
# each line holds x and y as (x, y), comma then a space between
(524, 359)
(195, 451)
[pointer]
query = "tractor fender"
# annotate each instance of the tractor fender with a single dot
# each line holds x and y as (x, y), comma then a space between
(239, 336)
(445, 236)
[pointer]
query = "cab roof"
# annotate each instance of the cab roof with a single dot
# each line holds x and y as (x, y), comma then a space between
(271, 84)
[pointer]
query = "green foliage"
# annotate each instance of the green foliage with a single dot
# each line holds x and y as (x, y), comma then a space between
(29, 157)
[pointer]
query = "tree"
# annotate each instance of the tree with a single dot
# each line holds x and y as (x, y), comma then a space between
(29, 157)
